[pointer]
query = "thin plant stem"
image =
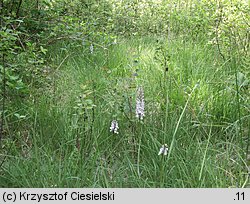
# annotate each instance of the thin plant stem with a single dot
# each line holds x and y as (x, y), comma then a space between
(3, 98)
(178, 123)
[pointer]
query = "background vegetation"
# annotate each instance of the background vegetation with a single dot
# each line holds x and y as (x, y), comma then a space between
(70, 67)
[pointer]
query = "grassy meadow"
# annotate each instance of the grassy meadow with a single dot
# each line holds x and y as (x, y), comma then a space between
(194, 102)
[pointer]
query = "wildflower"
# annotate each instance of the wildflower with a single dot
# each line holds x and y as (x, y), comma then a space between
(163, 150)
(91, 48)
(114, 127)
(140, 103)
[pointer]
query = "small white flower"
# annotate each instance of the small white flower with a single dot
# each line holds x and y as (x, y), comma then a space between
(163, 150)
(114, 127)
(91, 48)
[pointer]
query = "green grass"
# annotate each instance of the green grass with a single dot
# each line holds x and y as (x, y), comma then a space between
(65, 141)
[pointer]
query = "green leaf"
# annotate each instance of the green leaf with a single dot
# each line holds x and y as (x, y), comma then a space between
(43, 50)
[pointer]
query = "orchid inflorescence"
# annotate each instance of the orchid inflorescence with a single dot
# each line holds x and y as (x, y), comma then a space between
(140, 103)
(114, 127)
(163, 150)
